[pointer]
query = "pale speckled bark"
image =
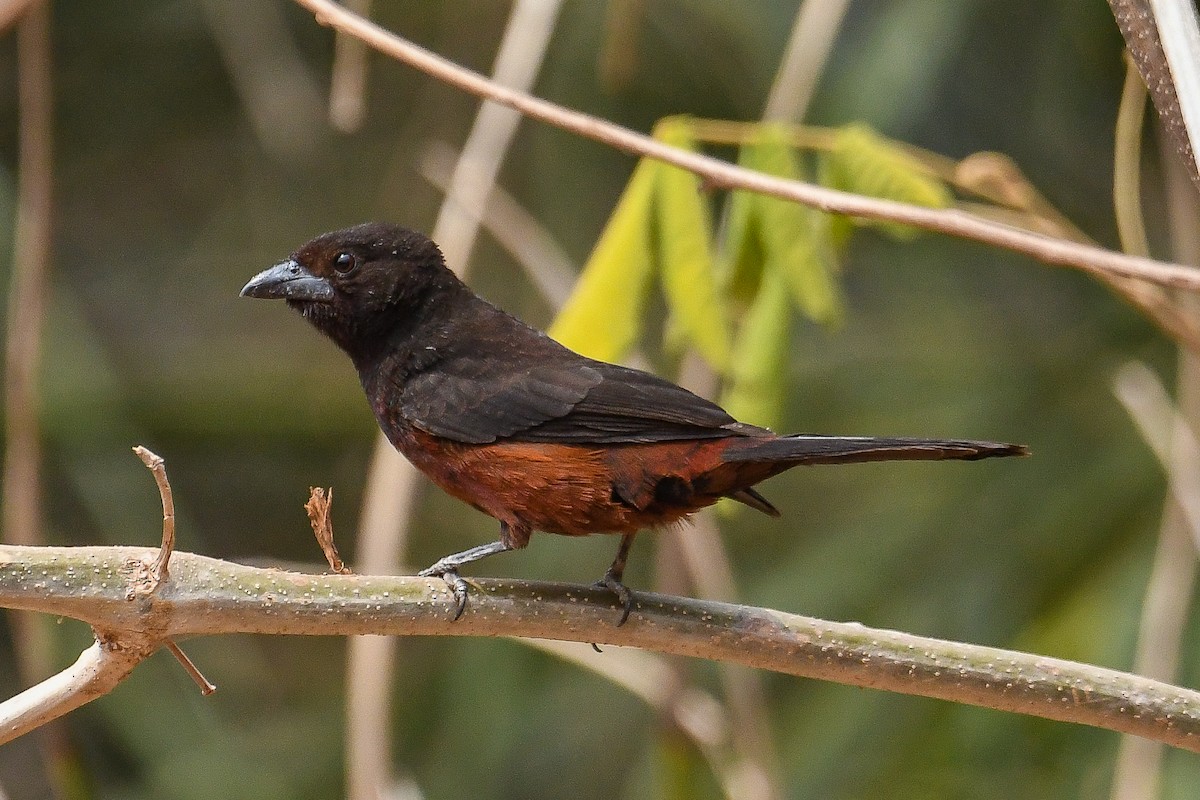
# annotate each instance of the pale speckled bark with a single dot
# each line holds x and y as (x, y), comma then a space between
(205, 596)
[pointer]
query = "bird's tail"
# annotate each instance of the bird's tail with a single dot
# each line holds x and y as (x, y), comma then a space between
(812, 449)
(748, 461)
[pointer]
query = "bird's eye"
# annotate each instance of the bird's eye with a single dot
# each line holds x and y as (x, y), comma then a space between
(344, 263)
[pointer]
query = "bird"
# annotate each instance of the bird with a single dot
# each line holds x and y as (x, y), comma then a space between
(531, 433)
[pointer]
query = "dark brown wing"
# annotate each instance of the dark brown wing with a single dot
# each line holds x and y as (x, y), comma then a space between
(529, 388)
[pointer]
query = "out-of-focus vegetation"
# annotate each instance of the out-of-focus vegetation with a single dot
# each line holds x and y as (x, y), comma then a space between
(177, 179)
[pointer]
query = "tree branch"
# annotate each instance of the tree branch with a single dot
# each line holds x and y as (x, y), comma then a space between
(96, 672)
(206, 596)
(721, 174)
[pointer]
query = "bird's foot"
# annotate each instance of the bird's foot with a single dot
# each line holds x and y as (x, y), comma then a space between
(449, 573)
(612, 582)
(447, 568)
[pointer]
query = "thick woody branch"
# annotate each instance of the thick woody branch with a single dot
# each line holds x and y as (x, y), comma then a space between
(205, 596)
(721, 174)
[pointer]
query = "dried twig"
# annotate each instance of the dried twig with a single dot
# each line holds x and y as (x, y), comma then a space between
(207, 687)
(145, 584)
(158, 468)
(720, 174)
(1137, 771)
(279, 96)
(813, 33)
(319, 506)
(546, 265)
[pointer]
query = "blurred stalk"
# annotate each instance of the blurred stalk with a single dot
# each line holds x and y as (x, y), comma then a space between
(1127, 163)
(619, 55)
(1171, 587)
(1171, 314)
(813, 34)
(1169, 590)
(348, 78)
(11, 11)
(276, 90)
(22, 518)
(392, 481)
(703, 553)
(545, 263)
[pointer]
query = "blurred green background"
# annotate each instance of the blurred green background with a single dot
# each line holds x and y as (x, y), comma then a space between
(175, 183)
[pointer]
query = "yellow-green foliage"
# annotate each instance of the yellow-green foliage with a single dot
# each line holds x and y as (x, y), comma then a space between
(757, 377)
(775, 256)
(698, 309)
(863, 162)
(603, 317)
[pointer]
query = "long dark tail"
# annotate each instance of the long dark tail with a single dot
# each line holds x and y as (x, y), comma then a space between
(803, 448)
(783, 452)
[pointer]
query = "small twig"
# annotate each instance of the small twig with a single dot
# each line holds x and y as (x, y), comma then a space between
(158, 468)
(319, 505)
(159, 571)
(207, 687)
(721, 174)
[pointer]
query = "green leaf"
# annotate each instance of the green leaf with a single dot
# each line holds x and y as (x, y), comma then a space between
(603, 316)
(863, 162)
(795, 238)
(689, 275)
(742, 254)
(755, 391)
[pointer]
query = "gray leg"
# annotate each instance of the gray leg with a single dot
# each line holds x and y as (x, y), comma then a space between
(612, 578)
(447, 567)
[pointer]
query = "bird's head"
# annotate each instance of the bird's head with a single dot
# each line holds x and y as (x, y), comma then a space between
(356, 284)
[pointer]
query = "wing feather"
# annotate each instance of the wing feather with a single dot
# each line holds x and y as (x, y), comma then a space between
(534, 390)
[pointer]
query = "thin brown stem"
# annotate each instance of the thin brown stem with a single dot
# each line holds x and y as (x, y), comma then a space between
(722, 175)
(158, 468)
(207, 687)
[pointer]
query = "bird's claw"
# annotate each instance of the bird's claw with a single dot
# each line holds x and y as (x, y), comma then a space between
(457, 585)
(613, 583)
